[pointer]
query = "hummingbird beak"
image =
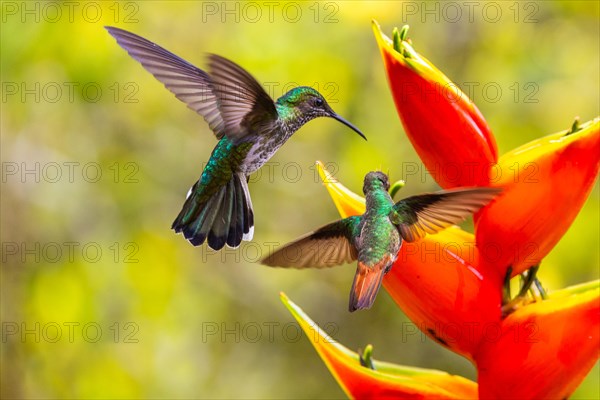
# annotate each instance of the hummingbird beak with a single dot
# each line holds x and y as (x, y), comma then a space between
(348, 124)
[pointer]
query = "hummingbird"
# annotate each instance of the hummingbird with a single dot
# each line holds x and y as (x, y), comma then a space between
(250, 128)
(375, 237)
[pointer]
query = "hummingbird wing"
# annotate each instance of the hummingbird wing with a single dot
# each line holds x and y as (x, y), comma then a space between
(432, 212)
(188, 83)
(330, 245)
(244, 104)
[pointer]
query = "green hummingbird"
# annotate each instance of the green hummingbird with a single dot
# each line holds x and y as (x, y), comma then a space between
(250, 127)
(375, 237)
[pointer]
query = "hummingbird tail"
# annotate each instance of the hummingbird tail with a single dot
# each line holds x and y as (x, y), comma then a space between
(367, 282)
(225, 218)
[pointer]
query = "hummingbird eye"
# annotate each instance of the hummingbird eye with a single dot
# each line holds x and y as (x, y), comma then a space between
(319, 102)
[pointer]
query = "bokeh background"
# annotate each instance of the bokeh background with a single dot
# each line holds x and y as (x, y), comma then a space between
(100, 299)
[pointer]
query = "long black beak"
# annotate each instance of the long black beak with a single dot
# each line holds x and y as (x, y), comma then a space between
(348, 124)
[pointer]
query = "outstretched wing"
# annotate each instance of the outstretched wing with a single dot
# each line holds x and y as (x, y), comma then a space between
(430, 213)
(188, 83)
(330, 245)
(244, 104)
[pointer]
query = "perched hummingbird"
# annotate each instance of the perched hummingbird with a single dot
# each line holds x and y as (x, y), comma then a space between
(375, 237)
(250, 127)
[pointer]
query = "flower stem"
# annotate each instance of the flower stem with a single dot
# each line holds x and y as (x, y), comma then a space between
(575, 127)
(395, 187)
(366, 357)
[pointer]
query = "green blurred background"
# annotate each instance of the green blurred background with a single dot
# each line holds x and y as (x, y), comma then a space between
(142, 313)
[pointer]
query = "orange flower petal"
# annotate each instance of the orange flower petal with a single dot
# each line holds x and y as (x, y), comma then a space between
(387, 381)
(542, 350)
(443, 124)
(546, 183)
(437, 282)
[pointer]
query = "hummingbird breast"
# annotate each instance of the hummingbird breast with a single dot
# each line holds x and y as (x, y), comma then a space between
(379, 239)
(264, 147)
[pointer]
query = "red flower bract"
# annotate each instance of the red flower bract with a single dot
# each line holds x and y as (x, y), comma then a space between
(446, 129)
(545, 185)
(542, 350)
(450, 286)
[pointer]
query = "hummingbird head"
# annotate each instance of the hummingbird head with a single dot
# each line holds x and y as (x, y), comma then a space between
(376, 180)
(306, 103)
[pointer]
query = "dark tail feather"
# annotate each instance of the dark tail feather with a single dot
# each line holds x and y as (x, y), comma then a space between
(217, 236)
(246, 207)
(236, 232)
(367, 282)
(225, 218)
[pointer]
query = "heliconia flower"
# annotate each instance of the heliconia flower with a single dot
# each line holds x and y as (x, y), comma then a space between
(546, 182)
(436, 281)
(445, 127)
(542, 350)
(386, 381)
(452, 285)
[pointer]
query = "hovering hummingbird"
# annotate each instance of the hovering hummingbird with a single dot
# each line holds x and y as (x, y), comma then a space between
(250, 127)
(375, 237)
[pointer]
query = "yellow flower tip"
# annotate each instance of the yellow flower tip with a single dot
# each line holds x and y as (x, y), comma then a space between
(382, 39)
(376, 27)
(308, 325)
(385, 380)
(569, 297)
(347, 202)
(326, 176)
(296, 311)
(404, 54)
(550, 144)
(291, 306)
(575, 290)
